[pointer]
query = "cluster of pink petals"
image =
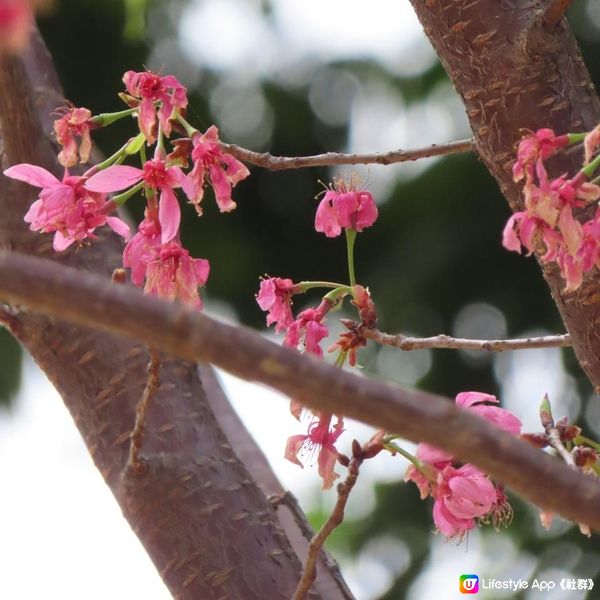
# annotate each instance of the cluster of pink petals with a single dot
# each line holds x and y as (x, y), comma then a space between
(157, 176)
(533, 149)
(320, 438)
(167, 268)
(151, 88)
(548, 218)
(75, 123)
(274, 297)
(345, 208)
(69, 208)
(461, 494)
(212, 164)
(16, 22)
(307, 330)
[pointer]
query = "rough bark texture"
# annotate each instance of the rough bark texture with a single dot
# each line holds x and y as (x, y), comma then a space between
(514, 72)
(208, 527)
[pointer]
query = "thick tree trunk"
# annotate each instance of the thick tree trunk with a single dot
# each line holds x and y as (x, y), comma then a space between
(516, 69)
(205, 522)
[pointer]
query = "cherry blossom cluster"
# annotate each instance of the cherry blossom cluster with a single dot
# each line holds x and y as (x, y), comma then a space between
(73, 207)
(561, 219)
(462, 494)
(344, 207)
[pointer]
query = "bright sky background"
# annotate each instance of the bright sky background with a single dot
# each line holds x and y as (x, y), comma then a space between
(61, 533)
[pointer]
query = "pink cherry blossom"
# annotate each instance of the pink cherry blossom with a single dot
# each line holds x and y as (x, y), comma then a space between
(345, 207)
(156, 176)
(151, 88)
(461, 495)
(213, 165)
(500, 417)
(68, 207)
(275, 296)
(75, 123)
(143, 247)
(320, 438)
(174, 275)
(16, 23)
(533, 149)
(307, 329)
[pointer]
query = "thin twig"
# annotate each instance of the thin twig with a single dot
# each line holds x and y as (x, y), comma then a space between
(278, 163)
(554, 440)
(405, 342)
(141, 408)
(555, 12)
(309, 572)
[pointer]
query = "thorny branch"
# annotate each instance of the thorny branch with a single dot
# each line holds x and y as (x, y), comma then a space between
(416, 415)
(335, 518)
(405, 342)
(279, 163)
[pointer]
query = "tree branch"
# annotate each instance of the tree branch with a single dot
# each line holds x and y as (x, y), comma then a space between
(335, 518)
(279, 163)
(418, 416)
(405, 342)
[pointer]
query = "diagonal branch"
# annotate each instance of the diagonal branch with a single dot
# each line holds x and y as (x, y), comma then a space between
(279, 163)
(418, 416)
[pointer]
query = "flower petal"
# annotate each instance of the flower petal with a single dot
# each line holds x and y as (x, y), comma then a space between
(32, 175)
(114, 178)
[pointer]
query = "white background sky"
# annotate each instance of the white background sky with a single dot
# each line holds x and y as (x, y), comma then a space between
(61, 533)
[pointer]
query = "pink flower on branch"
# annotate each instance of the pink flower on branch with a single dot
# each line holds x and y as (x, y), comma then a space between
(143, 247)
(345, 207)
(173, 274)
(68, 208)
(321, 439)
(213, 165)
(461, 495)
(307, 329)
(274, 297)
(151, 89)
(157, 176)
(533, 149)
(75, 123)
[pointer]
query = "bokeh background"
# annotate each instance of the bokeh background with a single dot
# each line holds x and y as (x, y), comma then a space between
(295, 77)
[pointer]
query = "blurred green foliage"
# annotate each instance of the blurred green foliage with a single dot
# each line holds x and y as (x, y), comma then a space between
(434, 249)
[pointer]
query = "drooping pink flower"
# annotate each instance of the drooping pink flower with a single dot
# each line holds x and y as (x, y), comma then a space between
(16, 22)
(174, 275)
(533, 149)
(75, 123)
(425, 484)
(320, 438)
(275, 296)
(68, 208)
(157, 176)
(345, 207)
(461, 495)
(308, 330)
(500, 417)
(150, 88)
(143, 247)
(213, 165)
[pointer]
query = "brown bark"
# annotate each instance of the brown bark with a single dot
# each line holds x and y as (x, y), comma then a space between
(415, 415)
(517, 66)
(205, 522)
